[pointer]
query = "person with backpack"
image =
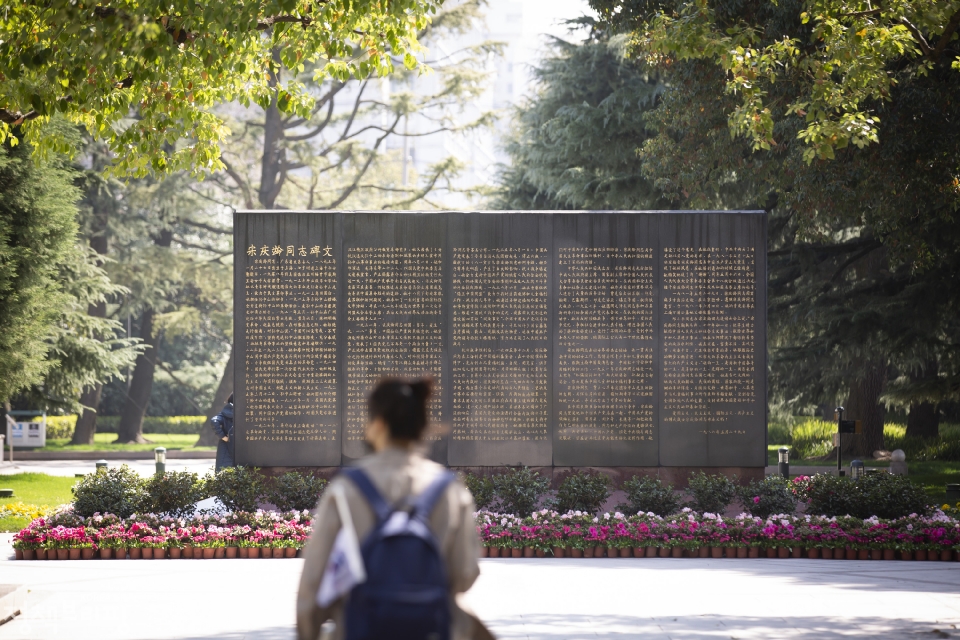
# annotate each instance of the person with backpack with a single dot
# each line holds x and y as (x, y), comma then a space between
(413, 520)
(223, 427)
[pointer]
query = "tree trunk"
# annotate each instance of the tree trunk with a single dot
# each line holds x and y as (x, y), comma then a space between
(864, 405)
(90, 399)
(141, 385)
(207, 437)
(923, 419)
(271, 164)
(138, 397)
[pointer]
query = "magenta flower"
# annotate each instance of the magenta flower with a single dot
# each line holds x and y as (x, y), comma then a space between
(756, 499)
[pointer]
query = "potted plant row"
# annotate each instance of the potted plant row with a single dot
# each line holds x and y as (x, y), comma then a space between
(690, 534)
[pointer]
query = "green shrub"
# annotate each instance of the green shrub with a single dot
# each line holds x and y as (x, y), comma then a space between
(173, 493)
(482, 489)
(812, 438)
(117, 491)
(238, 488)
(877, 494)
(583, 491)
(769, 496)
(61, 427)
(649, 495)
(295, 491)
(519, 490)
(778, 433)
(711, 494)
(158, 424)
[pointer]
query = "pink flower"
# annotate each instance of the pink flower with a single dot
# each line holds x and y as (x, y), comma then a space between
(756, 499)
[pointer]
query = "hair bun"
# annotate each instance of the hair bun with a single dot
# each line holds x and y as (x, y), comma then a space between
(423, 387)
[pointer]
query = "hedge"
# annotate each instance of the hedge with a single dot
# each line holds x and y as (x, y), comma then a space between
(62, 427)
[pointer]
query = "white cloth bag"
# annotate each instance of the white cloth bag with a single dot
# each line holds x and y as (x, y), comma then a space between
(344, 568)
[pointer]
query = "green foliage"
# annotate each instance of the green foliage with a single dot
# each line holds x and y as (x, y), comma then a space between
(877, 494)
(238, 488)
(767, 497)
(294, 491)
(169, 63)
(583, 491)
(574, 142)
(119, 491)
(519, 490)
(646, 494)
(173, 493)
(711, 493)
(482, 489)
(37, 239)
(62, 427)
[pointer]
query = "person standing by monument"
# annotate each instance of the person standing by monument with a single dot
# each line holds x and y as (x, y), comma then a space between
(223, 427)
(394, 489)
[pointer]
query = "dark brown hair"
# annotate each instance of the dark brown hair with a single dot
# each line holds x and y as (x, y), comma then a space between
(403, 406)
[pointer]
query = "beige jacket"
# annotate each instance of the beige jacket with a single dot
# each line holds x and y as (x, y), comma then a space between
(397, 474)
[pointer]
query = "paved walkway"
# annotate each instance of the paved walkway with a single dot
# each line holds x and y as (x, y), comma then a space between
(73, 467)
(615, 599)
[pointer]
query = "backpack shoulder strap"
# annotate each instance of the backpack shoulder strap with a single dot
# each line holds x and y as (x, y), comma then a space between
(365, 485)
(424, 503)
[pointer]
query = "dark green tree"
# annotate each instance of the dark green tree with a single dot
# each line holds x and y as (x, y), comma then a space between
(575, 141)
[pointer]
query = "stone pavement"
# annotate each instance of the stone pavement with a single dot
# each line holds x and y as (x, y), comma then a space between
(616, 599)
(73, 467)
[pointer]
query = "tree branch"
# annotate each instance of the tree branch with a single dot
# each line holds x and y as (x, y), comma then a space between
(917, 36)
(247, 199)
(190, 245)
(947, 34)
(200, 225)
(350, 189)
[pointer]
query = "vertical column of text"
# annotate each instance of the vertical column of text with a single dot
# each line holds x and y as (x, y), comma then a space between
(500, 344)
(394, 307)
(290, 362)
(604, 344)
(709, 316)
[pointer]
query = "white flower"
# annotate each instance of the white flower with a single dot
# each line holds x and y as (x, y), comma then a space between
(909, 527)
(686, 510)
(595, 520)
(606, 516)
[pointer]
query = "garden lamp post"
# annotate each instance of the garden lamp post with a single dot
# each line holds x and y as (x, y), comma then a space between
(856, 470)
(160, 457)
(784, 465)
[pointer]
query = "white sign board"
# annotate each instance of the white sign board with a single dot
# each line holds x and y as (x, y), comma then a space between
(28, 434)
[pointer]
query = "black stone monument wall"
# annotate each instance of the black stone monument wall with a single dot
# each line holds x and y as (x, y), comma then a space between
(557, 339)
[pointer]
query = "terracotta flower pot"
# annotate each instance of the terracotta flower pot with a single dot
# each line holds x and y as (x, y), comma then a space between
(290, 552)
(783, 552)
(771, 552)
(63, 554)
(44, 554)
(188, 551)
(651, 552)
(87, 554)
(626, 552)
(207, 554)
(136, 553)
(813, 553)
(664, 552)
(826, 554)
(219, 553)
(889, 554)
(176, 553)
(146, 553)
(863, 554)
(588, 552)
(18, 554)
(243, 552)
(516, 553)
(920, 554)
(753, 552)
(559, 552)
(528, 552)
(29, 554)
(676, 552)
(906, 555)
(946, 555)
(796, 552)
(876, 554)
(484, 552)
(716, 552)
(494, 552)
(851, 554)
(230, 552)
(613, 552)
(741, 552)
(106, 554)
(120, 554)
(277, 552)
(576, 553)
(540, 553)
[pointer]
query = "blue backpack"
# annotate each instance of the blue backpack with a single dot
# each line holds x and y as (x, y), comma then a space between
(406, 594)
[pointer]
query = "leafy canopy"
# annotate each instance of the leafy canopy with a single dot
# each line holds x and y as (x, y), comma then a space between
(142, 74)
(846, 55)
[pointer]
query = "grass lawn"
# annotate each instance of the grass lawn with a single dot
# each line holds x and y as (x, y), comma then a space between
(33, 488)
(104, 442)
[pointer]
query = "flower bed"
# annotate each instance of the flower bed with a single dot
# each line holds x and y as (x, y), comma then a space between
(65, 535)
(692, 534)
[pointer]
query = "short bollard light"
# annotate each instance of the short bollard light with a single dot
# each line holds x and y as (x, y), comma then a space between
(856, 469)
(101, 464)
(784, 466)
(160, 456)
